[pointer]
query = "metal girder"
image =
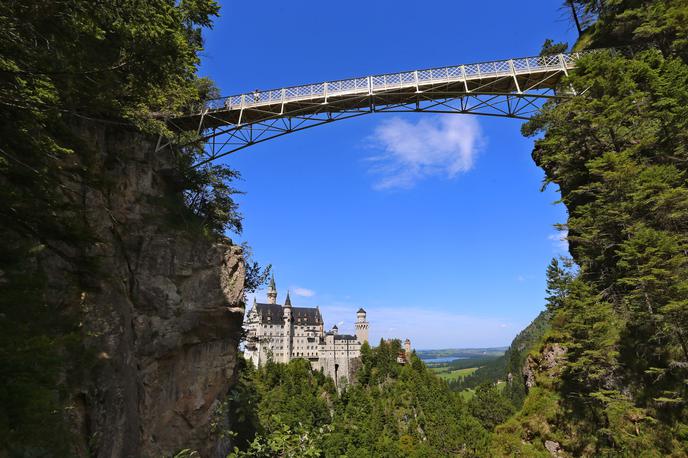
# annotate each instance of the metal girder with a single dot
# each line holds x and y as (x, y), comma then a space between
(514, 88)
(224, 140)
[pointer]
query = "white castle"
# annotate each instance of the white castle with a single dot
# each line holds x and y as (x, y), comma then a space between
(283, 333)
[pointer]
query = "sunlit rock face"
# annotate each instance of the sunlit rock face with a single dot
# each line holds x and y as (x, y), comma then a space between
(160, 305)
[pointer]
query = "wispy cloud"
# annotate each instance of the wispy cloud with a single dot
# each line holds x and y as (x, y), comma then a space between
(304, 292)
(435, 146)
(560, 241)
(427, 328)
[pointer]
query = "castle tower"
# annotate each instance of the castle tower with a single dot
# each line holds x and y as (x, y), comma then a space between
(288, 328)
(272, 291)
(361, 326)
(407, 347)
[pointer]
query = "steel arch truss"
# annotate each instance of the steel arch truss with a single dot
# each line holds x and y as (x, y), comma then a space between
(227, 139)
(515, 88)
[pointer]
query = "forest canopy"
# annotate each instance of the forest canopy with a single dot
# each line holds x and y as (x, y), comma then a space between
(618, 153)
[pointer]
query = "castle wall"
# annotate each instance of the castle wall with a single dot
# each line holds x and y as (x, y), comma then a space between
(285, 340)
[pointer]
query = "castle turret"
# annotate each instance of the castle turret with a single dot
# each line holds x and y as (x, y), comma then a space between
(361, 326)
(272, 291)
(288, 328)
(407, 347)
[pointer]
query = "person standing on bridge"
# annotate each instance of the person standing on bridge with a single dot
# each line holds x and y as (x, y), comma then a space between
(256, 96)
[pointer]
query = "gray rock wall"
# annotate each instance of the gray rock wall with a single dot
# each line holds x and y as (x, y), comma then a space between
(161, 306)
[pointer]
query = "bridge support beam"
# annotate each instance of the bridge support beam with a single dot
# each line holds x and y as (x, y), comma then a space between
(514, 88)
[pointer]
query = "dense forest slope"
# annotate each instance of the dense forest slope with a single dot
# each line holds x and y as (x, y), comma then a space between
(120, 301)
(610, 377)
(392, 410)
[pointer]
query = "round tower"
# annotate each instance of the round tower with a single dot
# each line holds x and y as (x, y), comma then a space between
(361, 326)
(288, 329)
(272, 291)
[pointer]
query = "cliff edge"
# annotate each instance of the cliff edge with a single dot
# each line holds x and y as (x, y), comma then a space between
(160, 305)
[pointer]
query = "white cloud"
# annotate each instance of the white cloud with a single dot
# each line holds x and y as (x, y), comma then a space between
(560, 240)
(435, 146)
(304, 292)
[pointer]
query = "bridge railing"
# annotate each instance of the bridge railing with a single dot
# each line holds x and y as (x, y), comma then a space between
(370, 84)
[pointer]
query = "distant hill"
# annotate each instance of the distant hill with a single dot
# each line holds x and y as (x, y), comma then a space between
(511, 362)
(447, 354)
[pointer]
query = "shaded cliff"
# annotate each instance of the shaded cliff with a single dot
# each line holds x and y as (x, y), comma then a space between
(163, 314)
(120, 300)
(157, 304)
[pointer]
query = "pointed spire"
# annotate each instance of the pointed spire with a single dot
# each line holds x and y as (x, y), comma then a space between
(272, 291)
(287, 301)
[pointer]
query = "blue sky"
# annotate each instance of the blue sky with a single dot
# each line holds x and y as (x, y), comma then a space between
(435, 224)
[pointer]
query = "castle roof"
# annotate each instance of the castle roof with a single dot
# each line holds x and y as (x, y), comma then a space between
(338, 336)
(361, 310)
(344, 337)
(272, 313)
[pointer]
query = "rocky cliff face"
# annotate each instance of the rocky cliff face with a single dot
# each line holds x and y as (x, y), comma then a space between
(161, 307)
(547, 363)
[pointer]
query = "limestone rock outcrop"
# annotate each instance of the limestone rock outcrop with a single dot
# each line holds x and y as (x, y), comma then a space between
(161, 305)
(548, 361)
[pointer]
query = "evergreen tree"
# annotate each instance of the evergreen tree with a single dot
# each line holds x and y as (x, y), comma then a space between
(618, 153)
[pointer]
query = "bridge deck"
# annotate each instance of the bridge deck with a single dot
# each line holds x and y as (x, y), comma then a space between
(514, 76)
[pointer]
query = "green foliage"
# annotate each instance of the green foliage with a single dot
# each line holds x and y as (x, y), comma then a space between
(294, 393)
(662, 23)
(549, 47)
(489, 406)
(619, 155)
(391, 410)
(283, 441)
(276, 399)
(525, 433)
(448, 374)
(559, 278)
(121, 58)
(208, 197)
(490, 372)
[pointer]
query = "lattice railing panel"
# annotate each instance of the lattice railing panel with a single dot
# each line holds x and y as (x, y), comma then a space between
(398, 80)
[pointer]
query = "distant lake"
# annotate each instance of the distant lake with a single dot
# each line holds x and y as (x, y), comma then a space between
(443, 359)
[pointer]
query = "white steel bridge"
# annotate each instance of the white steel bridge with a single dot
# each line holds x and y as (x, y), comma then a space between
(514, 88)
